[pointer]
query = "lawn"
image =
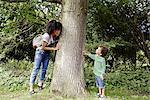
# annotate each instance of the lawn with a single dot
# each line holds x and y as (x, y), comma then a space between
(46, 95)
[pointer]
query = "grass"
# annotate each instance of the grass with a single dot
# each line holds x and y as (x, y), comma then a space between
(115, 94)
(14, 86)
(124, 94)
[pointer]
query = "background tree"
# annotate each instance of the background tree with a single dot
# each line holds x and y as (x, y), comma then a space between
(122, 24)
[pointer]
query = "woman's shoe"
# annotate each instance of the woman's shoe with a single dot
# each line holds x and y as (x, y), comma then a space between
(40, 88)
(31, 92)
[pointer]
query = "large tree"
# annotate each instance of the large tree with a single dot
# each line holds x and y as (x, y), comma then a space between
(68, 77)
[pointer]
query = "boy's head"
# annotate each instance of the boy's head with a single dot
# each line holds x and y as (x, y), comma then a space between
(101, 50)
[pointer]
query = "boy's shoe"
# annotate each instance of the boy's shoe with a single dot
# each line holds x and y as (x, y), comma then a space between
(98, 95)
(40, 88)
(31, 92)
(102, 98)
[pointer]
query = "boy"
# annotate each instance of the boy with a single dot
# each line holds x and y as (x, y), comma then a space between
(99, 68)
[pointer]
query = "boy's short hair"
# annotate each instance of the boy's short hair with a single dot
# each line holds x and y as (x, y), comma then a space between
(104, 51)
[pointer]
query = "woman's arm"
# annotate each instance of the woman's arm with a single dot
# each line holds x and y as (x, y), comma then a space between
(44, 46)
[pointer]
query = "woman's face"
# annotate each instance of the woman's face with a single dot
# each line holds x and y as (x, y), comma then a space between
(56, 33)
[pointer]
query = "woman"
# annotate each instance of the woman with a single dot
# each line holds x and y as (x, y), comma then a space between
(42, 54)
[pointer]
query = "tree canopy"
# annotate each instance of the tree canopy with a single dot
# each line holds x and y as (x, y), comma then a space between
(124, 24)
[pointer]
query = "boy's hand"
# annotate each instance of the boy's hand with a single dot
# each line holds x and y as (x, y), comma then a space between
(85, 53)
(102, 77)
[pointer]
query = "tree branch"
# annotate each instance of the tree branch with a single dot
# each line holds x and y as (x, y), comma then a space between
(15, 0)
(52, 1)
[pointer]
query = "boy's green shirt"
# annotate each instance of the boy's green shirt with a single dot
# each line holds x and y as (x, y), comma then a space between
(99, 64)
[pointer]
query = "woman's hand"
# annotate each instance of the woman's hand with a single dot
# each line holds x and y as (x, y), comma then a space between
(57, 47)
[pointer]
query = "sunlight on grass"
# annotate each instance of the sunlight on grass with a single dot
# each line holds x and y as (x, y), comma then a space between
(46, 95)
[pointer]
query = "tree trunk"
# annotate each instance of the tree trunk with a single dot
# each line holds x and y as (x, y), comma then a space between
(138, 36)
(68, 76)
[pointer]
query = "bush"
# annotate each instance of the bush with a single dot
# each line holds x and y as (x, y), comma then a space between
(15, 75)
(136, 80)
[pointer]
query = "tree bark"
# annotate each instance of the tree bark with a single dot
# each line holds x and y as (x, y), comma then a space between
(139, 39)
(68, 76)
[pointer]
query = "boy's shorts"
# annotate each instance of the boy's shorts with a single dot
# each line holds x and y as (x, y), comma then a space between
(99, 82)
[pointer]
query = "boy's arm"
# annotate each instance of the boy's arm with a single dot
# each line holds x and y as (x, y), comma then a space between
(103, 66)
(103, 69)
(92, 56)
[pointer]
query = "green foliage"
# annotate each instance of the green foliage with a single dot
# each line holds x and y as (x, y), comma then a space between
(89, 76)
(137, 81)
(123, 75)
(19, 22)
(113, 23)
(121, 23)
(15, 75)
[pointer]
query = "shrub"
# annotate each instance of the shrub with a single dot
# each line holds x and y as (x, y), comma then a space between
(136, 80)
(15, 75)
